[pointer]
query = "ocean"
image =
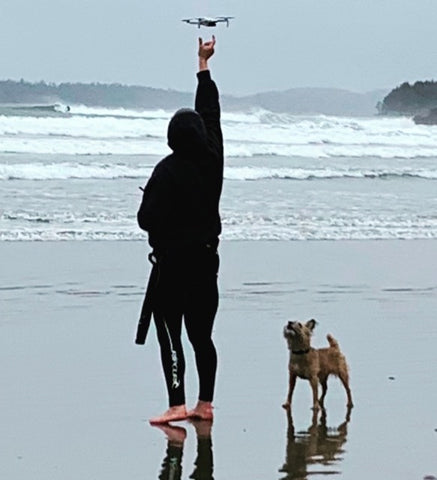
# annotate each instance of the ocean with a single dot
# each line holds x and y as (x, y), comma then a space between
(77, 393)
(76, 175)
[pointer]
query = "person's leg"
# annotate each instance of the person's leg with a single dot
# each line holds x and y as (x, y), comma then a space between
(172, 357)
(200, 309)
(199, 329)
(173, 363)
(168, 320)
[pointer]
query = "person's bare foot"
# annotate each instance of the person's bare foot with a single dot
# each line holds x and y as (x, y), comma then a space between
(202, 411)
(175, 435)
(173, 414)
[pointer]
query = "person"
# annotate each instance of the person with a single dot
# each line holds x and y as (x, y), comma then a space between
(180, 212)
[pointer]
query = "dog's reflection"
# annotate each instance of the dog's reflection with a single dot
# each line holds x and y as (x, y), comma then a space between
(319, 449)
(172, 464)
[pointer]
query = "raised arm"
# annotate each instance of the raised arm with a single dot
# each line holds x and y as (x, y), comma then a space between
(207, 98)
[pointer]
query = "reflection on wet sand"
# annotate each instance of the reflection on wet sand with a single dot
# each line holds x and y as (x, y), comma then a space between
(318, 450)
(172, 464)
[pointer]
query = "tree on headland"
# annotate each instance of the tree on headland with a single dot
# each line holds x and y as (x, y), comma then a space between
(410, 99)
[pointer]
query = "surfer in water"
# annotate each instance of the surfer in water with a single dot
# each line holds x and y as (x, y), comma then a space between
(180, 212)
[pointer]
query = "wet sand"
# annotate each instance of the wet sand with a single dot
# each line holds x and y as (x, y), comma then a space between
(76, 392)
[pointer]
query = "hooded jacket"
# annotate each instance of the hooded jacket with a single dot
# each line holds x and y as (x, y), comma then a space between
(180, 205)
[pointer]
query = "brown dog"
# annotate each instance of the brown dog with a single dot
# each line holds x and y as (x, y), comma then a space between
(313, 364)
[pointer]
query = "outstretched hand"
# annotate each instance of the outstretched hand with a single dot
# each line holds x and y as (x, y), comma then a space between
(206, 51)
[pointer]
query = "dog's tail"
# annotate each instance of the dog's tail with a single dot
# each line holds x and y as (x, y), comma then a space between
(332, 341)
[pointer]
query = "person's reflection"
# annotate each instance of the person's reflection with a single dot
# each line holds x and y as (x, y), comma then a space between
(203, 465)
(317, 450)
(172, 463)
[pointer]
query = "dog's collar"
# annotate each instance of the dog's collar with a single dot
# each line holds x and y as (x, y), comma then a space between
(301, 352)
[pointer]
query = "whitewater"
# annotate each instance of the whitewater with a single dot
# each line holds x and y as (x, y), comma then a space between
(75, 175)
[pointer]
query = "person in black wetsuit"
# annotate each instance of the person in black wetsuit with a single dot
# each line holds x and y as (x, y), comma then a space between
(180, 212)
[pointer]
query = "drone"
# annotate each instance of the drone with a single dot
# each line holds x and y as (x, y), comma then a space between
(207, 21)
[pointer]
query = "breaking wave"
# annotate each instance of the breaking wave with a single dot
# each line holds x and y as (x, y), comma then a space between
(287, 177)
(103, 131)
(113, 171)
(235, 227)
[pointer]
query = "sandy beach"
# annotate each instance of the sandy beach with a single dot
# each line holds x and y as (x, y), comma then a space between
(76, 392)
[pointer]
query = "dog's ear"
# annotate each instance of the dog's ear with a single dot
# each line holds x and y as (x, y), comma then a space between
(311, 324)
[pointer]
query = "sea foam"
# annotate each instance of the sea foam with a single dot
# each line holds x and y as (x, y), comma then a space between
(92, 131)
(112, 171)
(75, 176)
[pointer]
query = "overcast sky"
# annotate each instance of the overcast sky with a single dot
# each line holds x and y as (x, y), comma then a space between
(271, 45)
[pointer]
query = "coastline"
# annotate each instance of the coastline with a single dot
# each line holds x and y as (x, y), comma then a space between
(77, 392)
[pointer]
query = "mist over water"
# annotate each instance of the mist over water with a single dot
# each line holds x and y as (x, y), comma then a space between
(75, 175)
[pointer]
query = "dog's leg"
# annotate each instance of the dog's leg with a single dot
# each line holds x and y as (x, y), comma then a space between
(324, 384)
(291, 384)
(315, 388)
(344, 377)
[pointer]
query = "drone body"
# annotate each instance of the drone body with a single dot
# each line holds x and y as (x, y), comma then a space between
(207, 21)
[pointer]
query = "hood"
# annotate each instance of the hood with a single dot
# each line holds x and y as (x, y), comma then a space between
(186, 132)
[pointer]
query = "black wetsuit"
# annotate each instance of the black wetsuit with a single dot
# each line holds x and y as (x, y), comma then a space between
(180, 212)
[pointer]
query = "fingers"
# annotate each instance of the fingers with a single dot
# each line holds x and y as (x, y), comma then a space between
(210, 43)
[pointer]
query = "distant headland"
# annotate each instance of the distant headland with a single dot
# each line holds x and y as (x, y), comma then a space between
(299, 101)
(418, 100)
(91, 94)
